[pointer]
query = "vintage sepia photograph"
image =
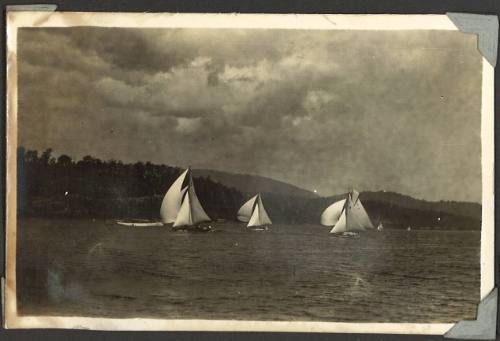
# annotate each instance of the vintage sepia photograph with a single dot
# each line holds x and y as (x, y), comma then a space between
(245, 172)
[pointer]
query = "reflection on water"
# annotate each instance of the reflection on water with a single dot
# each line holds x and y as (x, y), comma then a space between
(85, 268)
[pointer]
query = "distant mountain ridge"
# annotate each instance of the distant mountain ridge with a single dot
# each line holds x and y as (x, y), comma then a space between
(250, 184)
(462, 208)
(289, 204)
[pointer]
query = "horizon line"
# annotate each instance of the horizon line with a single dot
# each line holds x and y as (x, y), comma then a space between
(317, 195)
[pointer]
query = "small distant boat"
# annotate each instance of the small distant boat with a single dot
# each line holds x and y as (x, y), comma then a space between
(347, 216)
(408, 228)
(380, 226)
(254, 213)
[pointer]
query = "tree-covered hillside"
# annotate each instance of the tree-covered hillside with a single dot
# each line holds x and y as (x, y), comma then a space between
(92, 188)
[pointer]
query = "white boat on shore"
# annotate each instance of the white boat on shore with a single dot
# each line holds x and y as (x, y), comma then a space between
(139, 224)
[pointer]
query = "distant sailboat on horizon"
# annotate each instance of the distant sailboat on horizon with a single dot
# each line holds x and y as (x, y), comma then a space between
(347, 216)
(254, 213)
(380, 226)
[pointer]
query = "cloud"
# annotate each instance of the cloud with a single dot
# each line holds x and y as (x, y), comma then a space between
(319, 109)
(188, 125)
(317, 100)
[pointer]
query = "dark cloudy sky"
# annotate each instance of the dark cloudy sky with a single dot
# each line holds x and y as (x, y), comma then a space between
(393, 110)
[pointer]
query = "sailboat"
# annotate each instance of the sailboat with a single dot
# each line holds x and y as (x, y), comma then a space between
(181, 206)
(380, 226)
(347, 216)
(254, 213)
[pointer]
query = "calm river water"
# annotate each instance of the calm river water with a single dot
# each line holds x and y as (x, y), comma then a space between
(300, 272)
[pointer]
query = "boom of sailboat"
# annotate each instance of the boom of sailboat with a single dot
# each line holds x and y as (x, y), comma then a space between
(181, 208)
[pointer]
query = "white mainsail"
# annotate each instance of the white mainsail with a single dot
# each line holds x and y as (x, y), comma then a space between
(172, 201)
(341, 225)
(255, 218)
(357, 218)
(263, 216)
(352, 216)
(245, 211)
(191, 212)
(332, 214)
(254, 213)
(184, 216)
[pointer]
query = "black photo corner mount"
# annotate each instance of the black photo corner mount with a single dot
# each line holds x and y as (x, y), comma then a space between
(485, 325)
(486, 28)
(32, 8)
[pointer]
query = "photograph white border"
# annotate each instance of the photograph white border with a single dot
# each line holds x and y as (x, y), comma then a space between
(17, 19)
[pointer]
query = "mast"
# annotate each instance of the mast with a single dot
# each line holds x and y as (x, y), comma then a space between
(190, 187)
(348, 200)
(256, 203)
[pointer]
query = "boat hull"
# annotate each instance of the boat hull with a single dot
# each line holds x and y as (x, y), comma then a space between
(194, 229)
(139, 224)
(260, 228)
(348, 234)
